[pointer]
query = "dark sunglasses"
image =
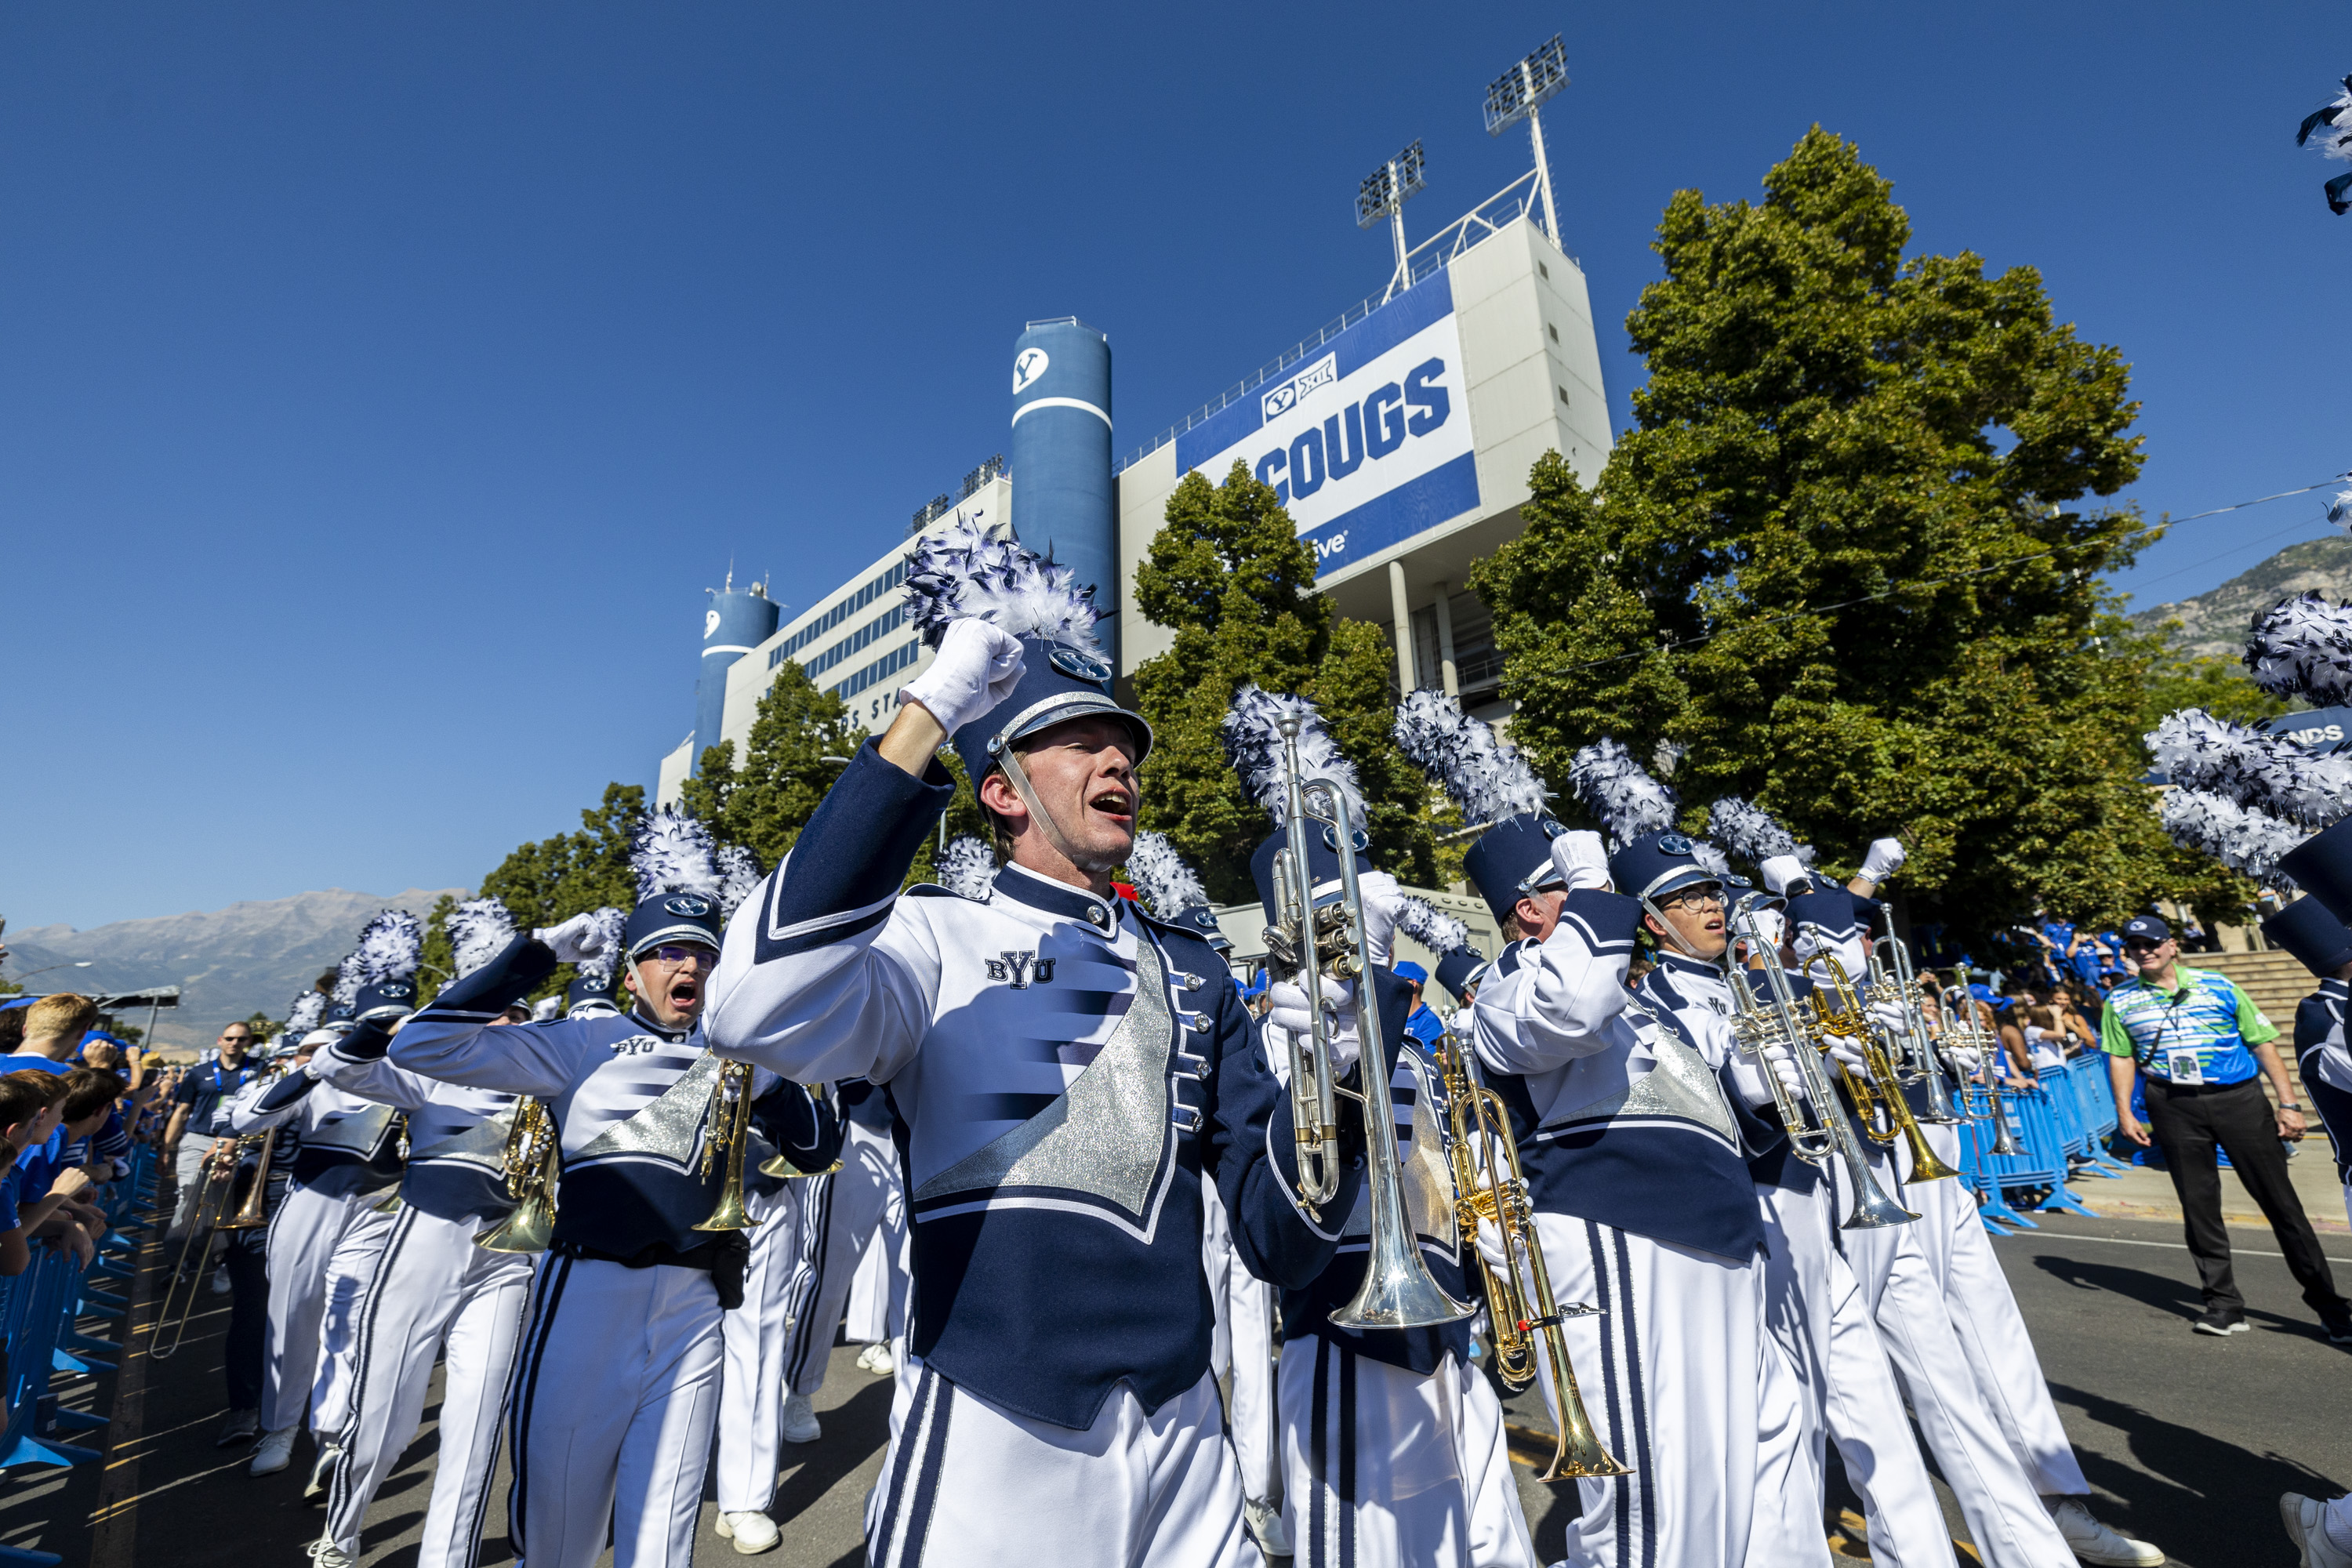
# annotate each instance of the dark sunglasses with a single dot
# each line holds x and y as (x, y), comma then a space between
(2141, 944)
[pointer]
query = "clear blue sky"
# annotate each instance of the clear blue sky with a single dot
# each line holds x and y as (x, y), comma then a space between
(381, 387)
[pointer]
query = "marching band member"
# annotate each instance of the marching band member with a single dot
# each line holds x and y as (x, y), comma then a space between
(1065, 1074)
(435, 1293)
(328, 1234)
(1636, 1165)
(616, 1392)
(1392, 1443)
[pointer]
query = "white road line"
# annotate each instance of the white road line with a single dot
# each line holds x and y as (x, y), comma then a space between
(2235, 1251)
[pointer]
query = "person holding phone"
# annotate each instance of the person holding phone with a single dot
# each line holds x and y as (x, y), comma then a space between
(2198, 1041)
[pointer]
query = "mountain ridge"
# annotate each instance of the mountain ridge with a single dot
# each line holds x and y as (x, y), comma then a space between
(2213, 624)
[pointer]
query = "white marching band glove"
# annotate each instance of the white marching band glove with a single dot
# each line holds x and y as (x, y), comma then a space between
(1382, 904)
(1747, 1076)
(1890, 1016)
(1286, 1011)
(1780, 870)
(1578, 857)
(1848, 1050)
(1771, 925)
(573, 940)
(977, 667)
(1886, 858)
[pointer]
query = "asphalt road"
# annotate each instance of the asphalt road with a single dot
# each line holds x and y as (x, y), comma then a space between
(2188, 1440)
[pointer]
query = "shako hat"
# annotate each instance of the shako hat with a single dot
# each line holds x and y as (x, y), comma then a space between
(1495, 790)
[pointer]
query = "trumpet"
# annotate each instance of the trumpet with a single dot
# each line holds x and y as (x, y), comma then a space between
(1877, 1095)
(1519, 1295)
(1397, 1290)
(777, 1165)
(219, 1176)
(534, 1163)
(729, 1127)
(1816, 1127)
(1972, 1036)
(1914, 1049)
(250, 1215)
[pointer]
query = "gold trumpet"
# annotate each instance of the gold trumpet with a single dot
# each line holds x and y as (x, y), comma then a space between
(535, 1161)
(777, 1165)
(730, 1125)
(250, 1215)
(1477, 1125)
(1877, 1093)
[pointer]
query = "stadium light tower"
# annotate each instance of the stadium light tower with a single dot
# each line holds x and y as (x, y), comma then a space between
(1519, 94)
(1383, 194)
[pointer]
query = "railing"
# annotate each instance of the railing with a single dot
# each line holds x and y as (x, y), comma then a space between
(38, 1311)
(1483, 222)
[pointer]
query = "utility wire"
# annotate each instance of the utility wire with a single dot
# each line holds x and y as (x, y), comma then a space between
(2240, 506)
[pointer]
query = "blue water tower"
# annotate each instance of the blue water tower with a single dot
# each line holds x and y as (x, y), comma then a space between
(739, 620)
(1061, 456)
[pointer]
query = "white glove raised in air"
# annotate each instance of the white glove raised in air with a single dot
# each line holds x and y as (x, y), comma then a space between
(1578, 857)
(1885, 859)
(1780, 870)
(1286, 1011)
(1771, 925)
(977, 667)
(573, 940)
(1382, 904)
(1747, 1076)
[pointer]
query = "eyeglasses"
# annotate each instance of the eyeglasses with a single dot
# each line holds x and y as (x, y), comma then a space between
(1697, 899)
(2141, 944)
(681, 952)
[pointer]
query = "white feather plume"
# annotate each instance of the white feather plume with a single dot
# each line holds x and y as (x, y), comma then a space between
(607, 923)
(2266, 773)
(1710, 859)
(349, 977)
(2302, 647)
(672, 853)
(1477, 769)
(1167, 884)
(1752, 833)
(739, 876)
(1254, 746)
(479, 928)
(962, 570)
(391, 946)
(1432, 927)
(967, 869)
(2329, 127)
(304, 1015)
(2251, 841)
(2340, 507)
(1628, 802)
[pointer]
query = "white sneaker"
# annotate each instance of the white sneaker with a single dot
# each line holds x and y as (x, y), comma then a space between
(1265, 1523)
(878, 1361)
(866, 1358)
(277, 1451)
(322, 1473)
(327, 1555)
(751, 1532)
(220, 1281)
(2306, 1525)
(800, 1420)
(2094, 1543)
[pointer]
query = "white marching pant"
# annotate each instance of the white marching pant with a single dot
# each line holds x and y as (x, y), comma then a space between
(861, 1204)
(2007, 1521)
(1241, 1352)
(323, 1253)
(1818, 1313)
(751, 1392)
(434, 1293)
(966, 1485)
(615, 1393)
(1991, 1329)
(1685, 1384)
(1385, 1466)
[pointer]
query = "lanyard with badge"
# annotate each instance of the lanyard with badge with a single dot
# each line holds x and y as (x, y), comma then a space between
(2182, 1064)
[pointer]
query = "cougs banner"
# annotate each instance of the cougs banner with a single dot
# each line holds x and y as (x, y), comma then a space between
(1367, 440)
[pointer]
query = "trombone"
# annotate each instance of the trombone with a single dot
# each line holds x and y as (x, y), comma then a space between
(1822, 1130)
(729, 1125)
(1397, 1290)
(251, 1214)
(534, 1163)
(1518, 1303)
(1877, 1095)
(219, 1178)
(1914, 1049)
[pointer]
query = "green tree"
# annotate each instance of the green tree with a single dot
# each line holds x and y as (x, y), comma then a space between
(438, 965)
(1842, 557)
(764, 805)
(2217, 685)
(1230, 576)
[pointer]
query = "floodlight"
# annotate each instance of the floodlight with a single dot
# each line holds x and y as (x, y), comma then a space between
(1520, 91)
(1387, 188)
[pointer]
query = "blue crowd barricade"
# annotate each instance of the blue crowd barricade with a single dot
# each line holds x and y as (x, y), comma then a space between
(2043, 1133)
(1991, 1169)
(2095, 1093)
(1973, 1175)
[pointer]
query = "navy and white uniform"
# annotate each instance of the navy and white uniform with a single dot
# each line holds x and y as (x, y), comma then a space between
(1905, 1276)
(1636, 1162)
(617, 1388)
(758, 1337)
(326, 1237)
(2327, 1068)
(434, 1295)
(856, 1226)
(1065, 1073)
(1818, 1313)
(1392, 1442)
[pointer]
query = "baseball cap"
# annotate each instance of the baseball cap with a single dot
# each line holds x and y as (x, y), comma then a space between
(1411, 971)
(2147, 928)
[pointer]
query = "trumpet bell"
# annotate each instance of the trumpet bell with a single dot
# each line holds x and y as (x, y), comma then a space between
(777, 1165)
(1925, 1164)
(1398, 1295)
(731, 1213)
(1874, 1210)
(529, 1228)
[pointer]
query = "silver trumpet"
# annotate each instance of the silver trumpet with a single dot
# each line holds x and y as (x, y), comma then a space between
(1817, 1128)
(1970, 1036)
(1397, 1291)
(1916, 1058)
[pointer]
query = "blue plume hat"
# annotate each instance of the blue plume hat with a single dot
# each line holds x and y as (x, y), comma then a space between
(676, 863)
(1252, 734)
(1657, 864)
(963, 572)
(1495, 788)
(2309, 930)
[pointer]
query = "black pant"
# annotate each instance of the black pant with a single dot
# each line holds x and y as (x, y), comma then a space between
(249, 1317)
(2187, 1120)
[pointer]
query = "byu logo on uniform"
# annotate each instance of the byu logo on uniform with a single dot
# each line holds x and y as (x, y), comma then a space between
(1020, 968)
(1027, 366)
(693, 906)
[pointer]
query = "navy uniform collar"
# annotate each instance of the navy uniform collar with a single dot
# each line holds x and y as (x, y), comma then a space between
(1026, 886)
(633, 1016)
(2336, 989)
(1682, 964)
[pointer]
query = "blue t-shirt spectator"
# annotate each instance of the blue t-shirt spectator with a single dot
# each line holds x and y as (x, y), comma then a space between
(10, 1185)
(207, 1088)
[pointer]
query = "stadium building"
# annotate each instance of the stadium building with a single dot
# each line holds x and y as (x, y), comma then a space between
(1400, 437)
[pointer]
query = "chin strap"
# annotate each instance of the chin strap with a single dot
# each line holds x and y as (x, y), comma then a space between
(1668, 935)
(1018, 777)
